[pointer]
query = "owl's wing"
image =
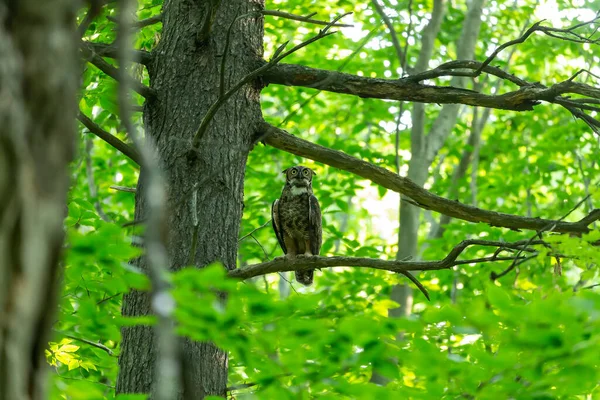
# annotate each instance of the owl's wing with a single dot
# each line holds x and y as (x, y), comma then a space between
(277, 224)
(315, 228)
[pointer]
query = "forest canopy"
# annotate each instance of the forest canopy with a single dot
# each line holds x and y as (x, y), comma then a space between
(456, 147)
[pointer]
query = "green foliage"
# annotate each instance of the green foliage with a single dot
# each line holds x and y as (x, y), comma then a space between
(533, 334)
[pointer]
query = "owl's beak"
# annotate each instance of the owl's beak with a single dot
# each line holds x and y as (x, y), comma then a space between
(301, 182)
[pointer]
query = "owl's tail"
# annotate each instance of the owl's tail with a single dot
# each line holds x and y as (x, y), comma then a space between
(305, 277)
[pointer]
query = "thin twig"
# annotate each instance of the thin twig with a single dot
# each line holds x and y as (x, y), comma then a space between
(115, 73)
(392, 31)
(254, 230)
(123, 188)
(300, 18)
(538, 28)
(362, 44)
(548, 228)
(86, 341)
(114, 141)
(278, 56)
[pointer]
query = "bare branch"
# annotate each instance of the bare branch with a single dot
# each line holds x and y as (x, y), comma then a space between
(282, 140)
(112, 51)
(282, 264)
(114, 141)
(254, 230)
(300, 18)
(123, 188)
(548, 31)
(86, 341)
(141, 23)
(114, 72)
(548, 228)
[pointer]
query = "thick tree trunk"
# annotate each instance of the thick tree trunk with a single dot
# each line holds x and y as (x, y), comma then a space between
(205, 192)
(38, 84)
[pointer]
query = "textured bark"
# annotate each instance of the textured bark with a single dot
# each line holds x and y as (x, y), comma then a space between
(185, 76)
(38, 83)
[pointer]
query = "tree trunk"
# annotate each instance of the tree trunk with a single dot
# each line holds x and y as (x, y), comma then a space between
(38, 84)
(185, 73)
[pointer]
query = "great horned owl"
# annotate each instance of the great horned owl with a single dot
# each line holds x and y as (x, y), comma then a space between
(297, 218)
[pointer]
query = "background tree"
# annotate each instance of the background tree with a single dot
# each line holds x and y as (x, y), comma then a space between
(527, 203)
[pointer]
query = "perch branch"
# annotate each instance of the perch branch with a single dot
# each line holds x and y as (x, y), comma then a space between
(114, 141)
(284, 141)
(282, 264)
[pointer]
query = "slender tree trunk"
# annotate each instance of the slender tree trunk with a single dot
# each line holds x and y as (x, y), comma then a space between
(185, 73)
(38, 84)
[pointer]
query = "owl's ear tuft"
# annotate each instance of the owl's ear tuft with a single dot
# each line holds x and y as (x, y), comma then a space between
(285, 171)
(313, 172)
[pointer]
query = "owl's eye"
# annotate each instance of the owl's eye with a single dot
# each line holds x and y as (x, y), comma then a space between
(294, 172)
(305, 172)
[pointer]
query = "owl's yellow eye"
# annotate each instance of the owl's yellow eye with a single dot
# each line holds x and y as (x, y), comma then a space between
(294, 171)
(305, 172)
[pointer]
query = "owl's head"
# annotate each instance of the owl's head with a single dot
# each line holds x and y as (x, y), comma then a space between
(299, 176)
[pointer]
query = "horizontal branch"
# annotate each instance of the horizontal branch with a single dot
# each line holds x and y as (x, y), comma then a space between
(283, 264)
(410, 88)
(112, 51)
(114, 141)
(393, 89)
(284, 141)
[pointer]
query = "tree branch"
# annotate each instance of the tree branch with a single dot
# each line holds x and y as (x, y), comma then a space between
(300, 18)
(86, 341)
(408, 88)
(548, 30)
(141, 23)
(112, 51)
(393, 35)
(278, 56)
(282, 264)
(284, 141)
(114, 72)
(114, 141)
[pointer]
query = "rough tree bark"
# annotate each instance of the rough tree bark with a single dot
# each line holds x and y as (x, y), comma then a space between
(38, 83)
(185, 75)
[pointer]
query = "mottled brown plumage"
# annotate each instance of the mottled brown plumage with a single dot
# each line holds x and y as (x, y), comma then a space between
(297, 218)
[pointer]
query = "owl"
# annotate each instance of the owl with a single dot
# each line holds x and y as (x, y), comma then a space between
(296, 217)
